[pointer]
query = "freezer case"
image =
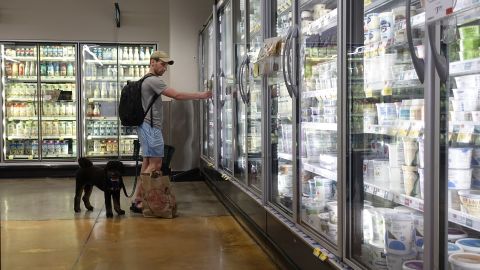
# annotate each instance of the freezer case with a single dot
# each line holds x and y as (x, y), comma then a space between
(39, 89)
(106, 68)
(385, 134)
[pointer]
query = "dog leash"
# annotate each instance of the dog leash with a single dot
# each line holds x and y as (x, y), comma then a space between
(136, 156)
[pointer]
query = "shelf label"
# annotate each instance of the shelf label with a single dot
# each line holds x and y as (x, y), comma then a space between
(437, 9)
(316, 252)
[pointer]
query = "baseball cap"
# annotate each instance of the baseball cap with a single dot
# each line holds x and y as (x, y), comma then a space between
(161, 55)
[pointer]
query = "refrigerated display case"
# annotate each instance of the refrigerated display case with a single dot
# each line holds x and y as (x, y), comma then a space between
(318, 129)
(105, 69)
(385, 198)
(226, 85)
(281, 94)
(39, 87)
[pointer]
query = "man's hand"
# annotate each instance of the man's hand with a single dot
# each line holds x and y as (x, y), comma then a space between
(206, 94)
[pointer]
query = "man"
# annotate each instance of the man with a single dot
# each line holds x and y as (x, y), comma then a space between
(150, 133)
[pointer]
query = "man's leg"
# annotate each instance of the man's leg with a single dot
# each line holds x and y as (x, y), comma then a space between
(137, 198)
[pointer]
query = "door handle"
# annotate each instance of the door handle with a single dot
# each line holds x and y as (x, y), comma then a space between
(291, 76)
(440, 61)
(284, 62)
(418, 63)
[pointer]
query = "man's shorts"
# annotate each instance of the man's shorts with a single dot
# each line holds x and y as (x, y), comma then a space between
(151, 140)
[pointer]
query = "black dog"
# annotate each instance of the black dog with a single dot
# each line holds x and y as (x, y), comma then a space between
(109, 180)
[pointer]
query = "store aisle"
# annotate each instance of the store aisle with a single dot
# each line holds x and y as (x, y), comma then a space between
(39, 230)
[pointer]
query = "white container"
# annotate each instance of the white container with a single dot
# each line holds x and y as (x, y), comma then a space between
(378, 224)
(381, 172)
(375, 255)
(387, 113)
(454, 248)
(396, 154)
(455, 234)
(470, 200)
(464, 105)
(469, 81)
(469, 245)
(453, 199)
(373, 21)
(459, 158)
(459, 178)
(333, 212)
(464, 261)
(367, 219)
(368, 170)
(419, 231)
(410, 150)
(395, 262)
(399, 233)
(396, 179)
(413, 265)
(386, 26)
(410, 180)
(476, 117)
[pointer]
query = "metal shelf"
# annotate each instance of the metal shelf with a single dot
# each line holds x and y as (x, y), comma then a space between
(464, 219)
(396, 197)
(320, 171)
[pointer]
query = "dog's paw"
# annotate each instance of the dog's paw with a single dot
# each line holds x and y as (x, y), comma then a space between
(90, 208)
(109, 215)
(120, 212)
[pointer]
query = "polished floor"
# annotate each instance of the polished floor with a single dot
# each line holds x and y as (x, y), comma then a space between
(39, 230)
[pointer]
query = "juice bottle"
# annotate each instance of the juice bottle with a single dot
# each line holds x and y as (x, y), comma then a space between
(70, 69)
(15, 69)
(130, 53)
(136, 55)
(63, 69)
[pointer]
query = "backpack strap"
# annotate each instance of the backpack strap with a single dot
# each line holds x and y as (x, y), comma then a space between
(152, 100)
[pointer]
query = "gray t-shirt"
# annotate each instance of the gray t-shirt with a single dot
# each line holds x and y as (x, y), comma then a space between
(150, 86)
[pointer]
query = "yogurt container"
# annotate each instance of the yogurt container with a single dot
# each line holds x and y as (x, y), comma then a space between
(381, 172)
(332, 210)
(459, 178)
(464, 261)
(459, 158)
(396, 179)
(396, 154)
(413, 265)
(410, 150)
(419, 232)
(375, 255)
(395, 262)
(454, 248)
(410, 180)
(378, 224)
(399, 233)
(455, 234)
(469, 245)
(422, 181)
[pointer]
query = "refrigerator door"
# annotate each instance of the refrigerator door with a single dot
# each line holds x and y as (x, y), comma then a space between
(318, 117)
(58, 84)
(20, 101)
(138, 57)
(459, 118)
(280, 106)
(240, 146)
(253, 95)
(99, 84)
(226, 83)
(385, 104)
(210, 77)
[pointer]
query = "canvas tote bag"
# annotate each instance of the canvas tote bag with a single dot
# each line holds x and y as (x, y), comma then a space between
(158, 197)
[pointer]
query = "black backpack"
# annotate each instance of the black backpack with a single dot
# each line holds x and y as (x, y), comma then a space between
(130, 109)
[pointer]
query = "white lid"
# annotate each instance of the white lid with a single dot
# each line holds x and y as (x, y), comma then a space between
(454, 248)
(413, 265)
(469, 244)
(470, 260)
(454, 234)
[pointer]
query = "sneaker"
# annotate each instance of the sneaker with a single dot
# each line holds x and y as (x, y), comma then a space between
(135, 209)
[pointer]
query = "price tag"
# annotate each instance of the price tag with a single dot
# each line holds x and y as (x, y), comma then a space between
(387, 90)
(437, 9)
(323, 257)
(316, 252)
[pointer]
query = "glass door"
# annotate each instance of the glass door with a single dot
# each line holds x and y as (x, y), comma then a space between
(460, 136)
(20, 105)
(318, 117)
(133, 64)
(253, 97)
(99, 84)
(210, 77)
(58, 84)
(281, 96)
(226, 79)
(385, 134)
(240, 146)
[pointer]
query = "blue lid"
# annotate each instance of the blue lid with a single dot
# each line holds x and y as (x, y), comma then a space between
(469, 242)
(453, 248)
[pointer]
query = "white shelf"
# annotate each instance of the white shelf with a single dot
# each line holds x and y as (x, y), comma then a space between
(464, 219)
(128, 136)
(21, 118)
(10, 157)
(320, 126)
(58, 58)
(112, 118)
(466, 67)
(323, 93)
(102, 99)
(57, 79)
(59, 137)
(59, 118)
(382, 192)
(320, 171)
(60, 156)
(285, 156)
(21, 58)
(94, 137)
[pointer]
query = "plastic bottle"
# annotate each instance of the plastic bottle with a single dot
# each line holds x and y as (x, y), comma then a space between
(50, 69)
(114, 54)
(125, 53)
(136, 55)
(136, 72)
(104, 90)
(120, 54)
(142, 54)
(96, 91)
(15, 69)
(130, 53)
(147, 53)
(70, 69)
(33, 69)
(27, 69)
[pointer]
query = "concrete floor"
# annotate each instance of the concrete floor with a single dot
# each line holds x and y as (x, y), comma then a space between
(39, 230)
